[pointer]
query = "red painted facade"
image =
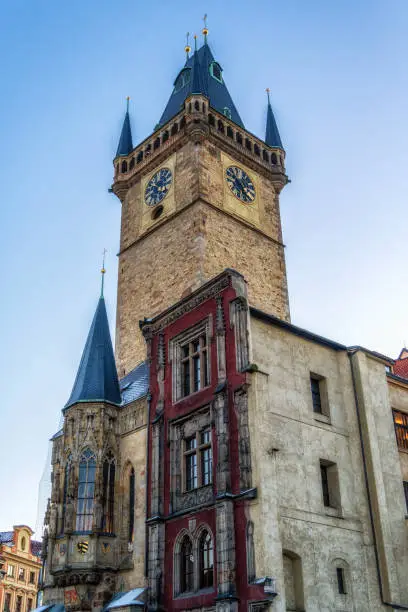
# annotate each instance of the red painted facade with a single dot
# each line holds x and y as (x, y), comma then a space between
(190, 316)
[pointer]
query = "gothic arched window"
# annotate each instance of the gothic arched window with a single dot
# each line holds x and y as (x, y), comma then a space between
(206, 559)
(131, 521)
(108, 492)
(186, 566)
(86, 488)
(67, 473)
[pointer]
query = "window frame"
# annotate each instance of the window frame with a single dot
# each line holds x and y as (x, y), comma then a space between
(324, 412)
(200, 447)
(21, 574)
(189, 583)
(205, 557)
(31, 575)
(11, 570)
(330, 486)
(341, 581)
(211, 69)
(401, 429)
(84, 518)
(178, 359)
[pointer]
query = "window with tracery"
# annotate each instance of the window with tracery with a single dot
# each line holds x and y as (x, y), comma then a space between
(186, 566)
(108, 492)
(86, 489)
(206, 558)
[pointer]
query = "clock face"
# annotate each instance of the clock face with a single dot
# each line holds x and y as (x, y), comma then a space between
(240, 184)
(158, 186)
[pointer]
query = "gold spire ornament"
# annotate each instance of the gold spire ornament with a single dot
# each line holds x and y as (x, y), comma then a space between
(103, 271)
(187, 48)
(205, 29)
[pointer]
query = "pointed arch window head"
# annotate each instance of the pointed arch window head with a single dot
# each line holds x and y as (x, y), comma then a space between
(182, 80)
(186, 566)
(206, 559)
(108, 500)
(86, 490)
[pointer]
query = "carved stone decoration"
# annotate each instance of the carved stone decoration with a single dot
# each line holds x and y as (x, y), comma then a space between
(69, 515)
(53, 520)
(222, 433)
(157, 471)
(226, 570)
(239, 322)
(156, 565)
(250, 552)
(245, 468)
(161, 360)
(220, 334)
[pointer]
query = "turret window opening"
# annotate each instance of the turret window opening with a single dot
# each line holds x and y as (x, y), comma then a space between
(197, 105)
(148, 150)
(131, 522)
(211, 120)
(248, 144)
(206, 560)
(182, 80)
(274, 159)
(124, 166)
(165, 137)
(221, 127)
(67, 473)
(239, 138)
(257, 150)
(265, 155)
(108, 493)
(156, 144)
(186, 566)
(230, 133)
(86, 489)
(132, 163)
(174, 129)
(139, 157)
(216, 72)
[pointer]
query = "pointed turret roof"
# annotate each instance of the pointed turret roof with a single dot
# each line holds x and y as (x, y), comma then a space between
(272, 137)
(201, 80)
(97, 378)
(125, 145)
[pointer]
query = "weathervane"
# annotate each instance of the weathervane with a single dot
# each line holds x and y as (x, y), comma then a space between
(205, 29)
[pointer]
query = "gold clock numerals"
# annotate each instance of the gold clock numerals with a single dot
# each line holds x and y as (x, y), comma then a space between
(240, 184)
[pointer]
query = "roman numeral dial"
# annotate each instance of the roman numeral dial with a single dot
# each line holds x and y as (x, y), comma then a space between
(158, 186)
(240, 184)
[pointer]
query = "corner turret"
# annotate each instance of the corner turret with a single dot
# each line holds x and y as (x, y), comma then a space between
(125, 145)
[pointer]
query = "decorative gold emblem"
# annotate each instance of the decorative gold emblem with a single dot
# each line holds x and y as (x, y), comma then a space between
(105, 547)
(83, 547)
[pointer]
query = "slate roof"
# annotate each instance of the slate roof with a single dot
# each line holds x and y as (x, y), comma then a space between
(135, 597)
(201, 79)
(97, 378)
(125, 145)
(135, 384)
(36, 548)
(6, 537)
(272, 136)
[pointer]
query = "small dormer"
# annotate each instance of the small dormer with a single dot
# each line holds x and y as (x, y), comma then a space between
(22, 538)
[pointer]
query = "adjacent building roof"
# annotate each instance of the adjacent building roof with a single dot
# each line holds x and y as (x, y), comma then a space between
(401, 364)
(200, 81)
(6, 537)
(36, 548)
(135, 384)
(135, 597)
(97, 378)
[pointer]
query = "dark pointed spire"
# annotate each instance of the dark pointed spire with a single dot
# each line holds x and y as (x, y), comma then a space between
(97, 378)
(125, 145)
(196, 85)
(272, 137)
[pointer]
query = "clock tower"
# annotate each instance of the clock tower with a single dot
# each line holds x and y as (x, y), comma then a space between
(199, 195)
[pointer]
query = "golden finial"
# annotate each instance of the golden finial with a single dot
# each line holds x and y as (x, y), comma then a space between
(187, 48)
(103, 266)
(205, 29)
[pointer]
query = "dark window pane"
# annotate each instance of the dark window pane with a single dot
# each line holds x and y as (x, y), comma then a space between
(316, 398)
(191, 471)
(206, 436)
(197, 373)
(206, 561)
(187, 566)
(206, 466)
(186, 378)
(325, 485)
(196, 345)
(401, 428)
(341, 584)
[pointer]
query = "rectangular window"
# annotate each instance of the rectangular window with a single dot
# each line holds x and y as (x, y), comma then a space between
(21, 573)
(316, 397)
(330, 484)
(341, 583)
(198, 460)
(194, 365)
(7, 602)
(406, 494)
(29, 604)
(10, 570)
(32, 577)
(401, 428)
(19, 601)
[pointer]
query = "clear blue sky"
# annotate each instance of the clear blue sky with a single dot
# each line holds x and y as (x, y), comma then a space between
(338, 79)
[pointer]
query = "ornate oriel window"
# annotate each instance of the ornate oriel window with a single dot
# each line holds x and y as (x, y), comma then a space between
(108, 492)
(186, 566)
(67, 473)
(86, 489)
(198, 460)
(131, 518)
(206, 561)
